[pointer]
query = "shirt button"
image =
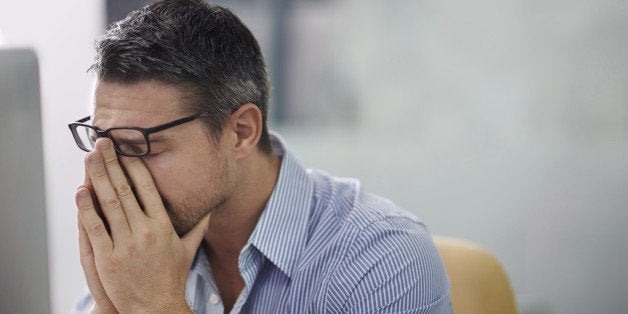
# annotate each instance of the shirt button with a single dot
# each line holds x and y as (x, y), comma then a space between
(214, 299)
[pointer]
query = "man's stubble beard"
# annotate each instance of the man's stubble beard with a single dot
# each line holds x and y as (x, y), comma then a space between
(185, 217)
(185, 214)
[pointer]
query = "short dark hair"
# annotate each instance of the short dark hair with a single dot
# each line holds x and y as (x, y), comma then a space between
(204, 50)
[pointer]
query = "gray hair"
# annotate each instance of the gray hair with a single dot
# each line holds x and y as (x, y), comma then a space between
(204, 50)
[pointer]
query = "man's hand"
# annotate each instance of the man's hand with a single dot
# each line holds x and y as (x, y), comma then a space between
(141, 265)
(102, 304)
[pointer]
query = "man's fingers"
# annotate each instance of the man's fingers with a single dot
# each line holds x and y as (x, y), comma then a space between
(144, 187)
(88, 262)
(119, 182)
(87, 183)
(108, 199)
(193, 238)
(93, 225)
(85, 248)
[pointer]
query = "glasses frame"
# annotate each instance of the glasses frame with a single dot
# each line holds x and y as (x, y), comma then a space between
(145, 131)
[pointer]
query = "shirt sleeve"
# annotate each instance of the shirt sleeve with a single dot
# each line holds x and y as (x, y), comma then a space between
(392, 267)
(84, 303)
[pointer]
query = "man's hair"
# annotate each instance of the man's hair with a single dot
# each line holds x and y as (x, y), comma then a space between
(204, 50)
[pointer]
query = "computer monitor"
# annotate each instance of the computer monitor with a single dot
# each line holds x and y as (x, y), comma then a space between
(24, 282)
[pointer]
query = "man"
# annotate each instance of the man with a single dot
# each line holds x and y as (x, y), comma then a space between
(190, 204)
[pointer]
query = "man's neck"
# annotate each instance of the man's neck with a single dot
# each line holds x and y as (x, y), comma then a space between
(232, 223)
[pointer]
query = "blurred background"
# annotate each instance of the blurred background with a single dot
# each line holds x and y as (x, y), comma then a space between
(502, 122)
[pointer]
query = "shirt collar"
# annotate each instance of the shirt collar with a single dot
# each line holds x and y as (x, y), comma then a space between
(280, 233)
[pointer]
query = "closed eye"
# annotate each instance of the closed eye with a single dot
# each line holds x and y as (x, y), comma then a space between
(151, 155)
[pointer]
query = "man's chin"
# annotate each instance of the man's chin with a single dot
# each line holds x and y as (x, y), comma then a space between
(184, 218)
(183, 226)
(182, 230)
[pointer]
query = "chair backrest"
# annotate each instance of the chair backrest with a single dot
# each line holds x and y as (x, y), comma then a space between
(479, 283)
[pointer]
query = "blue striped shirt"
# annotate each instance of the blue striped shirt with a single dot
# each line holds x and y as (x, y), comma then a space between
(322, 245)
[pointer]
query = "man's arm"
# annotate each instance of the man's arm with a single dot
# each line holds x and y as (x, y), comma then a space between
(140, 265)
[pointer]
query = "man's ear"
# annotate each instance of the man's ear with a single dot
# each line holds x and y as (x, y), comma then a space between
(247, 122)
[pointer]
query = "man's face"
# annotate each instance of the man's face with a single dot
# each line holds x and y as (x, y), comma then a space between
(192, 173)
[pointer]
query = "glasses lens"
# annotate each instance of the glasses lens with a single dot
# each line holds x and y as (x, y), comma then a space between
(129, 141)
(85, 137)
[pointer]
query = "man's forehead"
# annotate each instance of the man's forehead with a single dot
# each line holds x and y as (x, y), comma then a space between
(143, 104)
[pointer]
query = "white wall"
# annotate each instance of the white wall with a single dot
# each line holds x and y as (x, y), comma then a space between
(62, 33)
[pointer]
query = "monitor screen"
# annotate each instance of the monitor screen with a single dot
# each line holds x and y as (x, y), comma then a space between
(24, 278)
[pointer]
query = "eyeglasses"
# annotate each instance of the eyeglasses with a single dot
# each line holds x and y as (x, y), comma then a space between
(128, 141)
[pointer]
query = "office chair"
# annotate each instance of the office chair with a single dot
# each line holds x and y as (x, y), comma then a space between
(479, 283)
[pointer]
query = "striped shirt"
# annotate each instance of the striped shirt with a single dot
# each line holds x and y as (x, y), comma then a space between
(322, 245)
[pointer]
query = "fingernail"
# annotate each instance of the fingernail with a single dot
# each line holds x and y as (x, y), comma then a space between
(81, 195)
(82, 192)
